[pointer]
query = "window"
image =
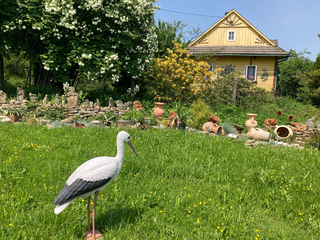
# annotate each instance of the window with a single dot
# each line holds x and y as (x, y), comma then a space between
(212, 68)
(231, 35)
(250, 72)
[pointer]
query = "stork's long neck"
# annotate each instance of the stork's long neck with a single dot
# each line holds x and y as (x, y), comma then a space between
(120, 149)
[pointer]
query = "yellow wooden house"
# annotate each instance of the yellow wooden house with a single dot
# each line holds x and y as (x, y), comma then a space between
(237, 46)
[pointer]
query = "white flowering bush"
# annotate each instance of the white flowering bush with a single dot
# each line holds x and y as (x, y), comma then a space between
(100, 39)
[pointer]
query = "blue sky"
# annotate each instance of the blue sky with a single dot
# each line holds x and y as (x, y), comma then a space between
(295, 23)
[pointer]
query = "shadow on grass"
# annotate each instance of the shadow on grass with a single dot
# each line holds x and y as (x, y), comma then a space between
(113, 218)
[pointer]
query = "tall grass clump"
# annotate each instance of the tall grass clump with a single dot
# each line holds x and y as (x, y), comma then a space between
(183, 186)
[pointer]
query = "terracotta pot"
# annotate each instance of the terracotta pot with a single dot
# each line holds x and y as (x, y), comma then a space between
(259, 134)
(251, 122)
(14, 117)
(212, 128)
(283, 132)
(158, 110)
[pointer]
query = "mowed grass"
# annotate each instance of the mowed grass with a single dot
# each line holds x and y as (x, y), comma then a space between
(183, 186)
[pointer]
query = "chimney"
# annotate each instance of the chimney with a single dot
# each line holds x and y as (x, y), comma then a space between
(226, 13)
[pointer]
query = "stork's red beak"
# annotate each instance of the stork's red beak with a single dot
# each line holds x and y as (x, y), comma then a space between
(133, 148)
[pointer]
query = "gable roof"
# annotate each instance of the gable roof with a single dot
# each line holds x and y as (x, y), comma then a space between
(271, 49)
(226, 17)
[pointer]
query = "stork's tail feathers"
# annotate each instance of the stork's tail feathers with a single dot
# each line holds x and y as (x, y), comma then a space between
(59, 208)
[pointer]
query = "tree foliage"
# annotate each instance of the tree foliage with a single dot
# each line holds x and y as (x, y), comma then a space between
(178, 76)
(90, 39)
(289, 82)
(173, 32)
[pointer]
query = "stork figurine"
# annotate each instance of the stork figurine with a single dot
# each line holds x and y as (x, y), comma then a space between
(91, 178)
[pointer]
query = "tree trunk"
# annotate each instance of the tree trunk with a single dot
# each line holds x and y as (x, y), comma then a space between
(1, 73)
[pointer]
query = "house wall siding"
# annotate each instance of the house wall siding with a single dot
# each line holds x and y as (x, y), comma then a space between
(265, 68)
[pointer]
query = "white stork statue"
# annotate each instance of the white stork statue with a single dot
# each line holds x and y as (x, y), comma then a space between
(91, 178)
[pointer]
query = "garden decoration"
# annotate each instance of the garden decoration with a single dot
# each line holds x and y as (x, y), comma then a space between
(212, 128)
(3, 96)
(119, 105)
(251, 122)
(20, 94)
(158, 110)
(310, 122)
(137, 105)
(214, 119)
(299, 127)
(45, 100)
(92, 177)
(283, 132)
(33, 97)
(269, 124)
(56, 100)
(73, 97)
(111, 104)
(258, 133)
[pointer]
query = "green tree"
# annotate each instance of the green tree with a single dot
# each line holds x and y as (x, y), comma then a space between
(91, 39)
(289, 82)
(168, 33)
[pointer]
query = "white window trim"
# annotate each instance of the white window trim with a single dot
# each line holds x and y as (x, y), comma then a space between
(233, 35)
(216, 67)
(255, 72)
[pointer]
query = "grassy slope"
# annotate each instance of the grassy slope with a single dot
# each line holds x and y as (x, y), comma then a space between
(232, 192)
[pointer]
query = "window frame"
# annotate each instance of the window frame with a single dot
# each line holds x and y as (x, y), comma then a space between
(234, 36)
(255, 72)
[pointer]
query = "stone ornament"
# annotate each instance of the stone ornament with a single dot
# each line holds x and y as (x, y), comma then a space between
(3, 96)
(299, 127)
(111, 104)
(127, 105)
(119, 105)
(310, 122)
(45, 100)
(20, 94)
(33, 97)
(56, 100)
(63, 100)
(73, 97)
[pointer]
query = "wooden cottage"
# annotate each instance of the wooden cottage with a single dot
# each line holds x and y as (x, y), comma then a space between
(236, 45)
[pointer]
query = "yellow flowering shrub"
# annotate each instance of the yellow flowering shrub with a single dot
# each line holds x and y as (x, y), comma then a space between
(178, 76)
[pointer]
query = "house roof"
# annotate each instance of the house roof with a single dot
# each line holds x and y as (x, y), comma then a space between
(239, 50)
(236, 50)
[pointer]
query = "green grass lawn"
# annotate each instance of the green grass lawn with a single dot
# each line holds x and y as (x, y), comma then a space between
(183, 186)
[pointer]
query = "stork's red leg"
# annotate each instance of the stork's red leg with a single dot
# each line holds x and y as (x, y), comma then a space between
(88, 209)
(93, 213)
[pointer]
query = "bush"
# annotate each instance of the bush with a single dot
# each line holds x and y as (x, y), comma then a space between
(200, 113)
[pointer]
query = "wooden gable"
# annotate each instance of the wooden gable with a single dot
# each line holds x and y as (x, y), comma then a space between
(245, 33)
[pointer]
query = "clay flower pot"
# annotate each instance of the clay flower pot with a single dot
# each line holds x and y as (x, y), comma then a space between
(14, 117)
(212, 128)
(251, 122)
(158, 110)
(283, 132)
(259, 134)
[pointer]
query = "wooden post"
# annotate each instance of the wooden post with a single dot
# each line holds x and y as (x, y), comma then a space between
(234, 93)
